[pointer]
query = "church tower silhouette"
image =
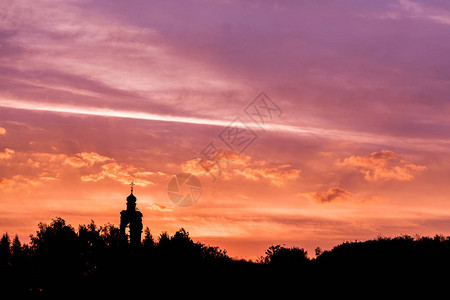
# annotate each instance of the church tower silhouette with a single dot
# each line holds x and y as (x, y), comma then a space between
(132, 218)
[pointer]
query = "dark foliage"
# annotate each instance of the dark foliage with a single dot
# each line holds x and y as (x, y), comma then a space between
(286, 257)
(416, 261)
(60, 259)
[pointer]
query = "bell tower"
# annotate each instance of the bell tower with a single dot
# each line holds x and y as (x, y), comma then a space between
(133, 219)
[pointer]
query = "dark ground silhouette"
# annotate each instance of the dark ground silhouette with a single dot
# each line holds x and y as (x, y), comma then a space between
(60, 260)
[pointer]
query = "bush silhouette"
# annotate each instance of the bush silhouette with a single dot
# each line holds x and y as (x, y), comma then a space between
(60, 259)
(288, 257)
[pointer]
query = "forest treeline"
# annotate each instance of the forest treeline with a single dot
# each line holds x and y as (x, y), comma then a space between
(60, 258)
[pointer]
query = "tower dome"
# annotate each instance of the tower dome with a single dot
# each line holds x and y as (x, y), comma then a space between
(131, 198)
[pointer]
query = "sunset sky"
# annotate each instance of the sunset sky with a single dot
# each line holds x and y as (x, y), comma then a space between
(96, 94)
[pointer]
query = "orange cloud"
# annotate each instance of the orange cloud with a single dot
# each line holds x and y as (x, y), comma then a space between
(75, 162)
(384, 165)
(333, 194)
(2, 131)
(29, 170)
(19, 182)
(221, 163)
(123, 173)
(85, 159)
(33, 169)
(45, 158)
(232, 165)
(277, 175)
(7, 154)
(92, 157)
(194, 166)
(159, 207)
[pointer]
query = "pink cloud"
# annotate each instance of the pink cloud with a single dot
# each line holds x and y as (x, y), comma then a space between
(383, 165)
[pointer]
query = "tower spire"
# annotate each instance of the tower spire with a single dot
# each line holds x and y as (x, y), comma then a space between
(131, 218)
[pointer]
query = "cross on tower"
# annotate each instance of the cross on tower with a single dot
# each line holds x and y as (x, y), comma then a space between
(132, 185)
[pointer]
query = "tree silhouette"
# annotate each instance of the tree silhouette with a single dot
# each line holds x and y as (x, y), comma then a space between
(56, 250)
(278, 255)
(110, 235)
(91, 259)
(148, 241)
(92, 247)
(5, 252)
